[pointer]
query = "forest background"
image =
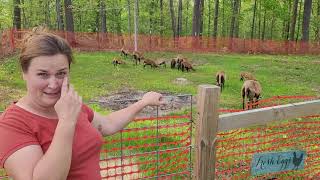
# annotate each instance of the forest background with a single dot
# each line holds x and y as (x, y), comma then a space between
(292, 20)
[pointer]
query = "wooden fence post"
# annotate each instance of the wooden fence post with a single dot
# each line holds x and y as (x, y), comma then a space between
(206, 131)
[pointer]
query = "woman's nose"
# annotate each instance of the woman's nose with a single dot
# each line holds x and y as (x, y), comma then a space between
(53, 82)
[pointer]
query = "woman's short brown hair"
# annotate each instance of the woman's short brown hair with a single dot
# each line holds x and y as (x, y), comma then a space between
(41, 43)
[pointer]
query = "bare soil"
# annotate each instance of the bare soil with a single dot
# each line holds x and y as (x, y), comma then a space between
(126, 97)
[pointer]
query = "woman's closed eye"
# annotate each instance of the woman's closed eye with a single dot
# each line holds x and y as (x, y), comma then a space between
(61, 75)
(43, 75)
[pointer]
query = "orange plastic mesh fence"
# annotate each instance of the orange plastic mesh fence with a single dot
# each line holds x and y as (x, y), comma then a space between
(88, 41)
(162, 147)
(235, 148)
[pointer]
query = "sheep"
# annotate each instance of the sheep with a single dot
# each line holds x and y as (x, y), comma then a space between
(173, 63)
(124, 52)
(161, 62)
(220, 79)
(117, 61)
(251, 90)
(138, 56)
(149, 62)
(186, 65)
(246, 76)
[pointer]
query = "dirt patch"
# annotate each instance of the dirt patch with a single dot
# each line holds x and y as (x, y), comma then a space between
(126, 97)
(316, 62)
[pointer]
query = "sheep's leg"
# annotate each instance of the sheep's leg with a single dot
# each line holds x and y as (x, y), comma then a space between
(243, 97)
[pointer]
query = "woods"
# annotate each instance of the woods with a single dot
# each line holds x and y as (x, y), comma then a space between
(255, 19)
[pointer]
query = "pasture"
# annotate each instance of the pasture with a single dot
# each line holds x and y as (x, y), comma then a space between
(94, 76)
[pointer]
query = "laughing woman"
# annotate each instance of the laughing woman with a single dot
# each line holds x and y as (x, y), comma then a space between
(49, 133)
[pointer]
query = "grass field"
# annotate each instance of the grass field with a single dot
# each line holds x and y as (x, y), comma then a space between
(93, 75)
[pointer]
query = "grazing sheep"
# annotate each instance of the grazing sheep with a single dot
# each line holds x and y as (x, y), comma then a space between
(246, 76)
(186, 65)
(124, 52)
(149, 62)
(137, 56)
(173, 63)
(220, 78)
(117, 61)
(251, 90)
(161, 62)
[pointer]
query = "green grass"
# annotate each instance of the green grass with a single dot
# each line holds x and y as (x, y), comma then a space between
(93, 75)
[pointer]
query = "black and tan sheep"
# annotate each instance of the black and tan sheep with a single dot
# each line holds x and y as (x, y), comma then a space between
(250, 90)
(246, 76)
(220, 79)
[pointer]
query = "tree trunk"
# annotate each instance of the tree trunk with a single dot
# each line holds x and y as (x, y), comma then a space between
(24, 21)
(103, 17)
(264, 24)
(299, 20)
(161, 18)
(69, 15)
(223, 19)
(317, 32)
(118, 14)
(129, 17)
(216, 17)
(196, 18)
(259, 21)
(238, 21)
(294, 19)
(187, 17)
(273, 22)
(69, 22)
(47, 13)
(233, 17)
(306, 20)
(253, 19)
(288, 21)
(201, 17)
(173, 19)
(17, 14)
(179, 31)
(209, 17)
(60, 25)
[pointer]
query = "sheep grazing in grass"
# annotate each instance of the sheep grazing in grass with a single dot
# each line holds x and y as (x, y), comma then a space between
(124, 52)
(149, 62)
(173, 63)
(246, 76)
(161, 62)
(117, 61)
(186, 65)
(220, 79)
(137, 56)
(250, 90)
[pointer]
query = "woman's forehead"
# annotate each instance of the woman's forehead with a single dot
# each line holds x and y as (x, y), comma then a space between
(49, 63)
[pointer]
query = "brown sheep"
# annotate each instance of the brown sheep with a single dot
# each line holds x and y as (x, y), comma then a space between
(124, 52)
(246, 76)
(149, 62)
(137, 56)
(186, 65)
(220, 79)
(251, 90)
(173, 63)
(117, 61)
(161, 62)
